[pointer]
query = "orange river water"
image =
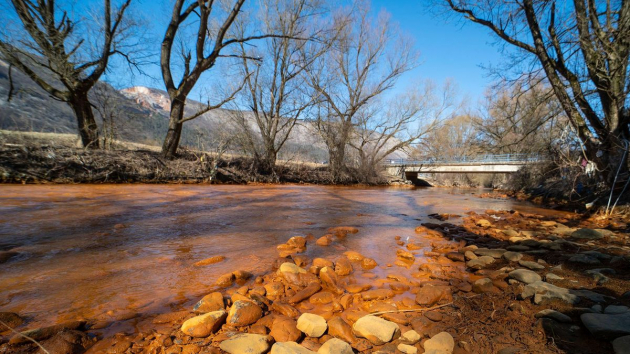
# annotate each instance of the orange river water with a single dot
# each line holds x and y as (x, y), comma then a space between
(91, 250)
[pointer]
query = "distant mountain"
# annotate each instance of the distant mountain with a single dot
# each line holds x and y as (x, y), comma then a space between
(140, 115)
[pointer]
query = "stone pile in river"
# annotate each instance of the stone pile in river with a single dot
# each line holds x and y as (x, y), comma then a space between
(503, 282)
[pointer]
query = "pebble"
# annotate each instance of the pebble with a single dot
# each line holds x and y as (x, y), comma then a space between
(551, 276)
(410, 337)
(407, 349)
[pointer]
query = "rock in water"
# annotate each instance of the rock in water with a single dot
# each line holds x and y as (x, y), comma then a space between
(204, 325)
(375, 329)
(441, 343)
(312, 325)
(607, 326)
(335, 346)
(247, 343)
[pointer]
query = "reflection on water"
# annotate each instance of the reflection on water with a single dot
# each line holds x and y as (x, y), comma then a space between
(87, 251)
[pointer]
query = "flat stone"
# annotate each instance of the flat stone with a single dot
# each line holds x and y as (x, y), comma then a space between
(621, 345)
(204, 325)
(375, 329)
(456, 257)
(377, 294)
(441, 343)
(525, 276)
(605, 326)
(587, 234)
(247, 344)
(494, 253)
(312, 325)
(615, 310)
(410, 337)
(429, 295)
(289, 348)
(551, 276)
(512, 256)
(584, 259)
(554, 315)
(531, 265)
(407, 349)
(335, 346)
(543, 291)
(480, 262)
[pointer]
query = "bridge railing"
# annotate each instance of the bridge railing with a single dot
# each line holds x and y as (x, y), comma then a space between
(485, 159)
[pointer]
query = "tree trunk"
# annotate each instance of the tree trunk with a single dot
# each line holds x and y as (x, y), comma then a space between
(612, 156)
(337, 155)
(88, 130)
(174, 134)
(267, 163)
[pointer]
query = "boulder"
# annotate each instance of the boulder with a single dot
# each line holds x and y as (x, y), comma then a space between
(375, 329)
(335, 346)
(204, 325)
(247, 343)
(209, 303)
(545, 291)
(312, 325)
(225, 280)
(606, 326)
(343, 267)
(524, 276)
(441, 343)
(243, 313)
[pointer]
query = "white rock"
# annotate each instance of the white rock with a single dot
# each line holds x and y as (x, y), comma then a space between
(375, 329)
(407, 349)
(289, 348)
(246, 344)
(441, 343)
(410, 337)
(312, 325)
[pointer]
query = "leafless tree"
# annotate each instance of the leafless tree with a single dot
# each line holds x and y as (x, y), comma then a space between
(383, 128)
(62, 60)
(583, 49)
(274, 90)
(366, 60)
(214, 23)
(457, 137)
(105, 102)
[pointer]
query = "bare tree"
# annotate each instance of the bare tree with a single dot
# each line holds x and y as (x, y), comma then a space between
(212, 37)
(382, 129)
(63, 62)
(274, 88)
(457, 137)
(583, 50)
(365, 62)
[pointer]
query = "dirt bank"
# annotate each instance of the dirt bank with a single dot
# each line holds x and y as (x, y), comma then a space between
(498, 282)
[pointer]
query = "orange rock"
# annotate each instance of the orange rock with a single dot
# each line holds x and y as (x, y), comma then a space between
(329, 280)
(339, 328)
(243, 313)
(368, 263)
(357, 288)
(377, 294)
(342, 231)
(285, 309)
(285, 330)
(343, 267)
(305, 293)
(354, 256)
(323, 297)
(325, 240)
(208, 261)
(211, 302)
(413, 247)
(225, 280)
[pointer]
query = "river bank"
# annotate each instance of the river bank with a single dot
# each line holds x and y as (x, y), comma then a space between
(447, 271)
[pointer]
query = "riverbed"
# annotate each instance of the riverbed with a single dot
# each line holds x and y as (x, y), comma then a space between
(101, 251)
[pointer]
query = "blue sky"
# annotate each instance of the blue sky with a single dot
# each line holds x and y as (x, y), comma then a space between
(449, 48)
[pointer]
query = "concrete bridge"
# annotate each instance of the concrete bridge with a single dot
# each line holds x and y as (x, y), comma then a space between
(506, 163)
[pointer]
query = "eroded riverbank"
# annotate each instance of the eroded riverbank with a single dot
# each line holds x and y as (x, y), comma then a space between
(118, 256)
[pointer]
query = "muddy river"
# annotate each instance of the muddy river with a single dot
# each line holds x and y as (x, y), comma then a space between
(93, 252)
